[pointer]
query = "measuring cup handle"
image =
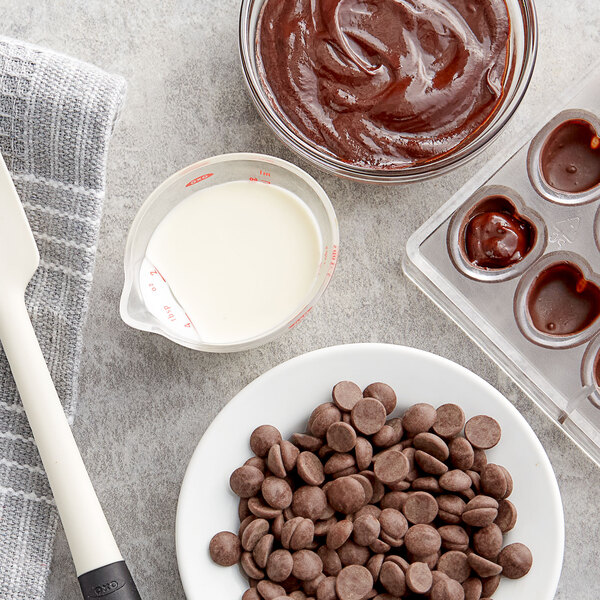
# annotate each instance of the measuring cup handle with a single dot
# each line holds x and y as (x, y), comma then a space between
(112, 580)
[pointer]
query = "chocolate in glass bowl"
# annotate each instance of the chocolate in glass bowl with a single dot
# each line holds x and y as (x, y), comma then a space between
(496, 236)
(570, 157)
(561, 301)
(384, 85)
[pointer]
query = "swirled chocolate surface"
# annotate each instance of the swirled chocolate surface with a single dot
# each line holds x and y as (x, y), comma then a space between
(384, 83)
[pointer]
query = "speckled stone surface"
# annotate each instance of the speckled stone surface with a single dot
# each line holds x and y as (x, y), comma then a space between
(144, 401)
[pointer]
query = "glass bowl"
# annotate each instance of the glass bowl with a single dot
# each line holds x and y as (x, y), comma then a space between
(521, 61)
(147, 302)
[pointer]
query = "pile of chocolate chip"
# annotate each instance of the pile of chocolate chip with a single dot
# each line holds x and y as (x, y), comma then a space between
(362, 506)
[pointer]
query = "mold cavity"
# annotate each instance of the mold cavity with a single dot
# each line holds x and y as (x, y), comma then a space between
(562, 301)
(496, 236)
(570, 158)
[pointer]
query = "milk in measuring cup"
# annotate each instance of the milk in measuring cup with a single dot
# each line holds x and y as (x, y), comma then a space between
(239, 258)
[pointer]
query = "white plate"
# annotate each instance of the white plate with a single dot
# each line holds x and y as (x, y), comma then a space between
(285, 397)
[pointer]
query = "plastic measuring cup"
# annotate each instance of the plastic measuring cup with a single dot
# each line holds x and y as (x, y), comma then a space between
(147, 302)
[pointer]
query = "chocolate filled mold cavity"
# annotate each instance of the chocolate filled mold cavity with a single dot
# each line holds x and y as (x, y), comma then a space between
(590, 370)
(557, 302)
(494, 236)
(563, 161)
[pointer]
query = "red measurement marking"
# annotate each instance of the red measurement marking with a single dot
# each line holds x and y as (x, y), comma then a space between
(265, 181)
(252, 178)
(170, 316)
(157, 272)
(333, 263)
(189, 323)
(265, 173)
(300, 318)
(199, 179)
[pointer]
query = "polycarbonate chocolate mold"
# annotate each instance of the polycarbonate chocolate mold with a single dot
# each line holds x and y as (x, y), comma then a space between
(551, 173)
(495, 199)
(557, 302)
(590, 370)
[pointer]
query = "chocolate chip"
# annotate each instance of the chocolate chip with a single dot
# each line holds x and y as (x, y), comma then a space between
(289, 454)
(306, 442)
(346, 394)
(261, 509)
(432, 444)
(326, 589)
(353, 583)
(447, 589)
(363, 451)
(515, 560)
(253, 532)
(455, 565)
(454, 538)
(480, 511)
(419, 418)
(263, 549)
(341, 437)
(332, 564)
(279, 565)
(420, 507)
(384, 393)
(392, 578)
(322, 418)
(262, 438)
(368, 416)
(307, 565)
(472, 588)
(249, 566)
(351, 553)
(487, 541)
(455, 481)
(482, 566)
(483, 432)
(338, 462)
(346, 495)
(277, 492)
(246, 481)
(309, 501)
(339, 533)
(225, 548)
(419, 578)
(275, 461)
(422, 540)
(269, 590)
(489, 585)
(251, 594)
(430, 464)
(393, 525)
(507, 516)
(494, 482)
(462, 455)
(391, 466)
(450, 420)
(366, 530)
(310, 468)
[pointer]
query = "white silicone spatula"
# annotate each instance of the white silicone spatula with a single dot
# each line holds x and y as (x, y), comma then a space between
(98, 562)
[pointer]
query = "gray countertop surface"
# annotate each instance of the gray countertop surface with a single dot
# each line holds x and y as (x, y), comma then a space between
(145, 402)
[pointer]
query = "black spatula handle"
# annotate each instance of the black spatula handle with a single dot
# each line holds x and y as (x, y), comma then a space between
(112, 582)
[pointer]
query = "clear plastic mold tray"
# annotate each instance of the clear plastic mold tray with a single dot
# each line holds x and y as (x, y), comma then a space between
(557, 372)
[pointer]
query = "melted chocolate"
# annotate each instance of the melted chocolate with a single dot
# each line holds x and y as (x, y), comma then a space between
(570, 157)
(384, 83)
(562, 302)
(496, 236)
(597, 370)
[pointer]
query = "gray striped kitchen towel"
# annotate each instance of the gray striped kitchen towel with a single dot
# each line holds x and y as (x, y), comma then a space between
(56, 118)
